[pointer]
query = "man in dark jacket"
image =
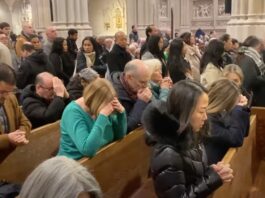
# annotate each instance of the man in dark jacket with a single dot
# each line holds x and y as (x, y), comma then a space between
(132, 90)
(71, 43)
(118, 57)
(35, 63)
(44, 102)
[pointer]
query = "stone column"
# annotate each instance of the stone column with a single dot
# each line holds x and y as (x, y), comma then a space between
(144, 15)
(185, 16)
(248, 21)
(41, 17)
(72, 14)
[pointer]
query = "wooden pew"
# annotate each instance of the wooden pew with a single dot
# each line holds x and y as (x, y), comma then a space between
(43, 144)
(121, 167)
(241, 160)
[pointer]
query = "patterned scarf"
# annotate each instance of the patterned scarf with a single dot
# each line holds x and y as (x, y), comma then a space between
(252, 53)
(126, 86)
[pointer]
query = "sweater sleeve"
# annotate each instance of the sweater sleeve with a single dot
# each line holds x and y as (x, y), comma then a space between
(232, 135)
(86, 136)
(119, 125)
(170, 180)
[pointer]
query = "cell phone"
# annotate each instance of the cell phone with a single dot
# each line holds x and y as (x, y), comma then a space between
(250, 99)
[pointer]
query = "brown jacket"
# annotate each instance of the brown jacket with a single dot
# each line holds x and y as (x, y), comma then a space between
(16, 120)
(21, 39)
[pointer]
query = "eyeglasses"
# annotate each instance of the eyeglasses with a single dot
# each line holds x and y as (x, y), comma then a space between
(47, 88)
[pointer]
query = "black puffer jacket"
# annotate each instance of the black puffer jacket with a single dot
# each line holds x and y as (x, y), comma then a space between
(178, 165)
(40, 111)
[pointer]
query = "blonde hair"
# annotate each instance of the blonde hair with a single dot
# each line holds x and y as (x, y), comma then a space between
(98, 93)
(233, 68)
(223, 95)
(153, 65)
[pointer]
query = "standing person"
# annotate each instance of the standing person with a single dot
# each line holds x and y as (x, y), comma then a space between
(154, 49)
(178, 164)
(228, 46)
(178, 67)
(212, 62)
(27, 30)
(92, 121)
(13, 123)
(193, 54)
(51, 34)
(61, 61)
(89, 56)
(118, 57)
(133, 36)
(71, 43)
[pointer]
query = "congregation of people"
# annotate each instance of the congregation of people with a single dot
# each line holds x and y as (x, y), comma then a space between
(191, 94)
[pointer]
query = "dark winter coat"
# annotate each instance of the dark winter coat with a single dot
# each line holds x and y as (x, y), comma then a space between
(117, 59)
(40, 111)
(63, 66)
(33, 65)
(178, 164)
(227, 130)
(133, 107)
(253, 80)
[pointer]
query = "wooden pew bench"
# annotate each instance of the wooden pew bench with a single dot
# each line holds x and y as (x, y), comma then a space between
(121, 167)
(43, 144)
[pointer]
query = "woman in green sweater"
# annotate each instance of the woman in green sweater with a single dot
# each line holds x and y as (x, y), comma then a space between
(92, 121)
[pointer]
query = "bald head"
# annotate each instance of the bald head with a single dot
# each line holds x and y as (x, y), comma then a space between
(121, 39)
(43, 77)
(27, 28)
(137, 74)
(51, 33)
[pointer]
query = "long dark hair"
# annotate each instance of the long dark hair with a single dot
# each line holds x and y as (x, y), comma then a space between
(182, 102)
(57, 46)
(213, 54)
(176, 62)
(94, 43)
(153, 48)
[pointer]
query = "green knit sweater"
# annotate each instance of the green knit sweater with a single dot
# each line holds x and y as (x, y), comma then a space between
(81, 135)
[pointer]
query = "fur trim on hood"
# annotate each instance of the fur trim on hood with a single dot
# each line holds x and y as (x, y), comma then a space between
(162, 127)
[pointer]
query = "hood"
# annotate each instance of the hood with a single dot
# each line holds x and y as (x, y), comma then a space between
(162, 127)
(28, 91)
(38, 57)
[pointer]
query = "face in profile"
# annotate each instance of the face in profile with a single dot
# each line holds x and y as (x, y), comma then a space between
(5, 89)
(199, 116)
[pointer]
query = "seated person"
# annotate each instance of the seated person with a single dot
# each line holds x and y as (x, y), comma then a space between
(77, 84)
(45, 101)
(229, 119)
(133, 92)
(234, 73)
(13, 123)
(35, 62)
(92, 121)
(159, 86)
(60, 177)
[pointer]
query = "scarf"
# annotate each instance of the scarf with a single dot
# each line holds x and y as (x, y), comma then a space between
(90, 58)
(127, 88)
(252, 53)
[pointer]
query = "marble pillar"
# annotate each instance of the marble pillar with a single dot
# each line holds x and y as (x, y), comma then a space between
(247, 19)
(72, 14)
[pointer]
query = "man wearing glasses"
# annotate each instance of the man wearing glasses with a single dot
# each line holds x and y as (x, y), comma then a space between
(44, 101)
(13, 123)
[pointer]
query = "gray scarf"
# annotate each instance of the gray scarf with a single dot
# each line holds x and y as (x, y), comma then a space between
(252, 53)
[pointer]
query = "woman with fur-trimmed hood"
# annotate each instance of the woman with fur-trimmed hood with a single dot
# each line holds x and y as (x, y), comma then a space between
(178, 163)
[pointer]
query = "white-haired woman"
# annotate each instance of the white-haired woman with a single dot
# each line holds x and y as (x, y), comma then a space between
(159, 86)
(60, 177)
